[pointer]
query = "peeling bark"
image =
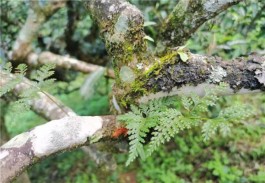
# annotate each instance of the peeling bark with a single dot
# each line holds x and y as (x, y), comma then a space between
(188, 16)
(55, 136)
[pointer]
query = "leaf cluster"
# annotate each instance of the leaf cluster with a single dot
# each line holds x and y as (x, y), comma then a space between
(40, 82)
(162, 119)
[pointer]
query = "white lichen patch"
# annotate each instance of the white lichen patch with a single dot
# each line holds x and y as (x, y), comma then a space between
(215, 5)
(120, 28)
(260, 74)
(17, 141)
(112, 8)
(3, 154)
(64, 133)
(217, 74)
(140, 66)
(122, 24)
(127, 75)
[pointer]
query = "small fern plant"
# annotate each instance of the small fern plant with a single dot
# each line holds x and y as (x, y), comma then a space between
(162, 119)
(40, 82)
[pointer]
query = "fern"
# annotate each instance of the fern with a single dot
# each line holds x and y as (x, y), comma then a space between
(165, 118)
(39, 85)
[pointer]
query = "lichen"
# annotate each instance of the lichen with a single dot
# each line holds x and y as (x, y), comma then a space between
(127, 75)
(217, 74)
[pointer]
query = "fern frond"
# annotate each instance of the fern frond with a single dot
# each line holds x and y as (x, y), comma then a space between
(165, 130)
(10, 85)
(20, 106)
(21, 69)
(43, 73)
(137, 132)
(8, 67)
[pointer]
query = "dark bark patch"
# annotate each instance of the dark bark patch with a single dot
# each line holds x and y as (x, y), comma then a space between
(178, 74)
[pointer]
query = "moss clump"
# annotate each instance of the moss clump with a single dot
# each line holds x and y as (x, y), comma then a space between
(138, 88)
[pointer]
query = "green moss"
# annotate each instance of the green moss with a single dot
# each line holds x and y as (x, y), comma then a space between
(138, 88)
(169, 58)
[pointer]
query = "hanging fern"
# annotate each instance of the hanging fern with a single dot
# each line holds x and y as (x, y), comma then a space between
(165, 118)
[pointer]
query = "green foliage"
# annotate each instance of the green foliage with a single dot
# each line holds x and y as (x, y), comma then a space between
(235, 32)
(220, 169)
(41, 78)
(163, 119)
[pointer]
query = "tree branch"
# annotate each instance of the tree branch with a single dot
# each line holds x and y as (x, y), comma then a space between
(37, 15)
(171, 76)
(65, 62)
(51, 109)
(55, 136)
(45, 104)
(188, 16)
(121, 26)
(4, 137)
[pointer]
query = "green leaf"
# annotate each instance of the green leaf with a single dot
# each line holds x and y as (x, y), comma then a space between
(149, 38)
(183, 56)
(149, 23)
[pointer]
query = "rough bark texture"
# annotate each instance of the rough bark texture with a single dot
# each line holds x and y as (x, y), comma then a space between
(121, 26)
(4, 137)
(188, 16)
(55, 136)
(169, 76)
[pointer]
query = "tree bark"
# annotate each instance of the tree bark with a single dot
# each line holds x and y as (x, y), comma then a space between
(4, 137)
(188, 16)
(65, 62)
(55, 136)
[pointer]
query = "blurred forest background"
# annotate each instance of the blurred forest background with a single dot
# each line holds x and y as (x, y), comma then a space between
(239, 157)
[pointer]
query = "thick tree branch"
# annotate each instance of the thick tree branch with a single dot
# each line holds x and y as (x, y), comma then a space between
(121, 26)
(51, 109)
(4, 137)
(188, 16)
(171, 76)
(140, 74)
(55, 136)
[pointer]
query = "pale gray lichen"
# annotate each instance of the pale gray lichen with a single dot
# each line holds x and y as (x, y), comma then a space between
(120, 28)
(214, 6)
(127, 75)
(260, 74)
(64, 133)
(217, 74)
(140, 66)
